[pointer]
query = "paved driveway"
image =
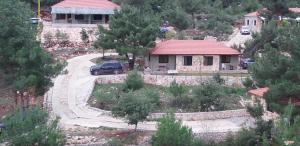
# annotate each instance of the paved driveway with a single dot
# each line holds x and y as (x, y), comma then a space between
(69, 95)
(237, 38)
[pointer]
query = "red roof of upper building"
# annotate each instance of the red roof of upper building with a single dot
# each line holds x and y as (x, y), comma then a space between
(295, 10)
(252, 14)
(102, 4)
(258, 92)
(192, 47)
(256, 13)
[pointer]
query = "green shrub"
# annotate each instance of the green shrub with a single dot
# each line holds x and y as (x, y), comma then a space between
(31, 127)
(181, 35)
(132, 107)
(218, 79)
(114, 142)
(207, 96)
(134, 81)
(248, 83)
(256, 111)
(172, 133)
(184, 102)
(61, 37)
(177, 90)
(84, 36)
(153, 96)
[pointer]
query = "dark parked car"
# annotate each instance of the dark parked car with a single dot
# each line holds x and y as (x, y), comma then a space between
(245, 63)
(108, 67)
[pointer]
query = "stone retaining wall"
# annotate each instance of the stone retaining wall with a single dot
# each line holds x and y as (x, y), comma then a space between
(165, 80)
(198, 116)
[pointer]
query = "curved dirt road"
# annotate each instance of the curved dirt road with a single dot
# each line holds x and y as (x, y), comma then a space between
(68, 97)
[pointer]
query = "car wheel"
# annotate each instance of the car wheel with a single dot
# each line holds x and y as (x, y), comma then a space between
(96, 72)
(116, 72)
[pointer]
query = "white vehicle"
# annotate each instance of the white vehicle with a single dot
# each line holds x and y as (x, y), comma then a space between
(245, 30)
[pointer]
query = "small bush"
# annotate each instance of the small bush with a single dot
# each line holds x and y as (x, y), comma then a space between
(218, 79)
(208, 97)
(114, 142)
(172, 133)
(134, 81)
(256, 111)
(61, 37)
(31, 127)
(248, 83)
(48, 37)
(84, 36)
(153, 96)
(181, 35)
(184, 102)
(177, 90)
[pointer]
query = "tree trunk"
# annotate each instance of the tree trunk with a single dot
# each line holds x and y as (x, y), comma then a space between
(193, 17)
(135, 128)
(103, 52)
(22, 105)
(131, 61)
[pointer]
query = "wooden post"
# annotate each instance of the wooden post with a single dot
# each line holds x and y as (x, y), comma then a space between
(39, 8)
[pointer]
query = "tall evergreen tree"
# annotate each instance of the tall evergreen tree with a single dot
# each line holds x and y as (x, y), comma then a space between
(192, 7)
(25, 64)
(279, 66)
(130, 31)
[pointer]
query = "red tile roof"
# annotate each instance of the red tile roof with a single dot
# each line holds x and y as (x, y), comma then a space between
(101, 4)
(295, 10)
(192, 47)
(256, 13)
(259, 92)
(252, 14)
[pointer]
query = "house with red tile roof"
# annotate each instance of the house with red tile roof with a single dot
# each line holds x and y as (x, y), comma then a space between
(192, 56)
(257, 95)
(83, 11)
(255, 21)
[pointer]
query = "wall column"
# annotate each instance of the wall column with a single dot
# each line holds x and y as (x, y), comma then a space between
(53, 18)
(103, 19)
(90, 19)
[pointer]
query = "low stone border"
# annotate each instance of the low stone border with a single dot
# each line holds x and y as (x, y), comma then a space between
(198, 116)
(165, 80)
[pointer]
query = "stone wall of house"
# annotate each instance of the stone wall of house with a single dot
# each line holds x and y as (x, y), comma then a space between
(165, 80)
(198, 116)
(197, 64)
(156, 66)
(252, 26)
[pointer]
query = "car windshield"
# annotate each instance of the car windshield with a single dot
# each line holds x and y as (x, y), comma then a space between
(249, 60)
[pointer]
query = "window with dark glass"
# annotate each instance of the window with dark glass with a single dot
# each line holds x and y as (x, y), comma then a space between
(163, 59)
(255, 22)
(187, 60)
(79, 17)
(208, 60)
(225, 59)
(60, 16)
(97, 17)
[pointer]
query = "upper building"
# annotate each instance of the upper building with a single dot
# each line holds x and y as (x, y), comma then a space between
(83, 11)
(255, 21)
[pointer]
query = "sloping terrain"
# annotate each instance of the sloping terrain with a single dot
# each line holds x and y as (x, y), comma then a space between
(6, 97)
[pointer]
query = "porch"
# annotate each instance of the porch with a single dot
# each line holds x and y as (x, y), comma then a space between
(80, 18)
(193, 63)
